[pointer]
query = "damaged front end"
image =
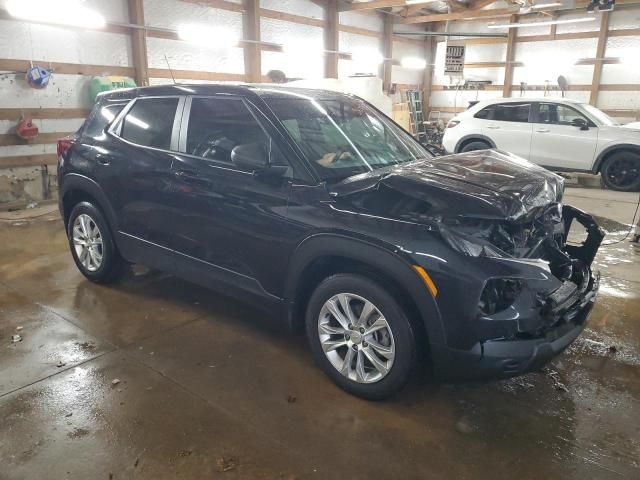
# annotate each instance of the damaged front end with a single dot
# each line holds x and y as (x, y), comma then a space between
(531, 314)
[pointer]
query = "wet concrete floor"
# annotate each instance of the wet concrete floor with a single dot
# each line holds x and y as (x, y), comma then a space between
(211, 388)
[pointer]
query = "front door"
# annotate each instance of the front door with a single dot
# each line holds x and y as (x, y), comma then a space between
(230, 221)
(507, 125)
(557, 142)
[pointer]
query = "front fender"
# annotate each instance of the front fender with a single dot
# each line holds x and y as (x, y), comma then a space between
(392, 263)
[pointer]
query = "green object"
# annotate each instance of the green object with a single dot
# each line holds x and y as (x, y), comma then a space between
(111, 82)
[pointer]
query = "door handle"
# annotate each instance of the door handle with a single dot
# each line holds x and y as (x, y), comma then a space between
(543, 130)
(190, 177)
(103, 159)
(493, 127)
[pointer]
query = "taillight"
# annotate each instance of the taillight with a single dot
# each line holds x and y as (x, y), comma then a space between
(64, 144)
(452, 123)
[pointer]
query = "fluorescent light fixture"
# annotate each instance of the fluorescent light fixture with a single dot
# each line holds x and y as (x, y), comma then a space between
(214, 37)
(61, 12)
(546, 5)
(367, 56)
(541, 24)
(415, 63)
(302, 49)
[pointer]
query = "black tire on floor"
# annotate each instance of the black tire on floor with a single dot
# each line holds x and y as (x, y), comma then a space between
(112, 266)
(621, 171)
(475, 145)
(400, 326)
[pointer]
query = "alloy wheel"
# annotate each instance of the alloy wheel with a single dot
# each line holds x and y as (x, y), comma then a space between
(356, 338)
(87, 242)
(624, 172)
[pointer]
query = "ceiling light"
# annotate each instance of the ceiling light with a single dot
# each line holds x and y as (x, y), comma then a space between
(302, 49)
(414, 63)
(62, 12)
(214, 37)
(546, 5)
(366, 56)
(541, 24)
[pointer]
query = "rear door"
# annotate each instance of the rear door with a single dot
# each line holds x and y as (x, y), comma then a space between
(558, 143)
(140, 166)
(231, 223)
(507, 125)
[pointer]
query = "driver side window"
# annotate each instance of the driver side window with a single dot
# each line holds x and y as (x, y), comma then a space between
(218, 125)
(557, 114)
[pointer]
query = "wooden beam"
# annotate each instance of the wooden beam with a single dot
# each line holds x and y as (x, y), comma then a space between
(139, 42)
(199, 75)
(600, 52)
(29, 160)
(39, 113)
(251, 30)
(219, 4)
(331, 39)
(463, 15)
(15, 65)
(427, 79)
(387, 51)
(376, 4)
(511, 54)
(289, 17)
(9, 139)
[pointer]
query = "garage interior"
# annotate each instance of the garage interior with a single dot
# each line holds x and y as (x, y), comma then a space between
(155, 377)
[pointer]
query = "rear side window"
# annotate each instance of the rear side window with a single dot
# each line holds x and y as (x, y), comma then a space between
(218, 125)
(150, 122)
(506, 112)
(102, 117)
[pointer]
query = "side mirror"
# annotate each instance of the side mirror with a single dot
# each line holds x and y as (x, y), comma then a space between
(581, 123)
(250, 156)
(254, 157)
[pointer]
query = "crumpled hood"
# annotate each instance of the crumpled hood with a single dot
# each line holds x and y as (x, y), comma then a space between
(482, 184)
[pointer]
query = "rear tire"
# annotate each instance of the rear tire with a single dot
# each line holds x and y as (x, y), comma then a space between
(621, 171)
(475, 145)
(92, 245)
(380, 344)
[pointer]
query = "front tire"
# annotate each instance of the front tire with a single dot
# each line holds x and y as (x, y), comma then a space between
(475, 145)
(92, 245)
(621, 171)
(360, 336)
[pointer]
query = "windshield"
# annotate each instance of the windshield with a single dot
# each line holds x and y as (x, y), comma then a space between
(599, 115)
(344, 136)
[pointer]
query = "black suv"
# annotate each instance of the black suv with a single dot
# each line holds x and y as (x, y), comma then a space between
(319, 208)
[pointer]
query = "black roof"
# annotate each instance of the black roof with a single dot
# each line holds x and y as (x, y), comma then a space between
(263, 90)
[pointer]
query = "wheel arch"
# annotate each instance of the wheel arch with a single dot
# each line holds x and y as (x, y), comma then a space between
(473, 137)
(76, 188)
(322, 255)
(607, 152)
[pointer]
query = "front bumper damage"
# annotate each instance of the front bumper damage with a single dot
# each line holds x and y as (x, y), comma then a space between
(540, 323)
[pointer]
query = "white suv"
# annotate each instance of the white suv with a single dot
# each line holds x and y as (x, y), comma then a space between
(557, 133)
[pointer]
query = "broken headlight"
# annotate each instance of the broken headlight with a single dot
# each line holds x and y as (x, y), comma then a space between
(470, 244)
(498, 295)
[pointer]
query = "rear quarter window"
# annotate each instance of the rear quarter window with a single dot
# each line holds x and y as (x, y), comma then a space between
(101, 116)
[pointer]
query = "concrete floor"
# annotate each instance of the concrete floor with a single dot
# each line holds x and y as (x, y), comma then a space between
(210, 388)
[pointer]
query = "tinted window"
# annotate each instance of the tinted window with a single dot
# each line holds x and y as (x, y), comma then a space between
(101, 118)
(557, 114)
(506, 112)
(150, 122)
(218, 125)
